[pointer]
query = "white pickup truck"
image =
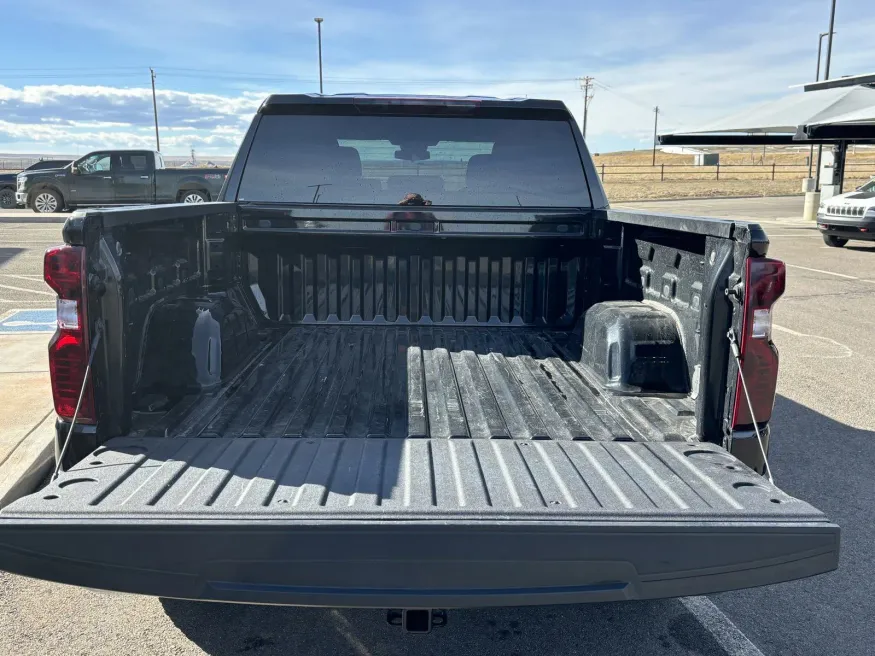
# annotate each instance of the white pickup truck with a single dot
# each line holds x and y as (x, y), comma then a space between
(848, 216)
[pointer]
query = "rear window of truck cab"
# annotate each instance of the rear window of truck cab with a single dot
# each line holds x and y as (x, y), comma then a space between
(456, 161)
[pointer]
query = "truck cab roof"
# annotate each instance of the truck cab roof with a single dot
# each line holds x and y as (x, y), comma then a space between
(124, 150)
(276, 102)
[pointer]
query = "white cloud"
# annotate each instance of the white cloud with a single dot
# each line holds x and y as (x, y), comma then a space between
(46, 117)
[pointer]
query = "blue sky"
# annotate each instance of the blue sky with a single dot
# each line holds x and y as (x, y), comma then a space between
(74, 75)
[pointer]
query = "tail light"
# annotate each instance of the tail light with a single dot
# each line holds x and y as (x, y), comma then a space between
(764, 284)
(64, 272)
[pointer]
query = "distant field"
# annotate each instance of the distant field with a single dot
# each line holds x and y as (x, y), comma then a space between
(629, 175)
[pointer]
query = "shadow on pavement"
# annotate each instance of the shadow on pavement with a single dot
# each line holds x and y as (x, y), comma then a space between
(6, 254)
(658, 627)
(830, 465)
(858, 246)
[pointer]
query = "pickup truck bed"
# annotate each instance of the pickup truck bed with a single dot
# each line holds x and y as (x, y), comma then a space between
(366, 381)
(440, 376)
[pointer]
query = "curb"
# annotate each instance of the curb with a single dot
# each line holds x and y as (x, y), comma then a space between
(30, 461)
(679, 198)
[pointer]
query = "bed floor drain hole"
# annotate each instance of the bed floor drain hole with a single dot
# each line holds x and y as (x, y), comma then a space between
(751, 485)
(74, 481)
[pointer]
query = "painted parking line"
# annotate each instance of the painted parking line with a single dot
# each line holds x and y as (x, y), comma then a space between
(31, 291)
(29, 321)
(729, 636)
(840, 351)
(22, 276)
(829, 273)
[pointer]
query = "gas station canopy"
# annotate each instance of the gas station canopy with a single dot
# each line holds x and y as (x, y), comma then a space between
(845, 113)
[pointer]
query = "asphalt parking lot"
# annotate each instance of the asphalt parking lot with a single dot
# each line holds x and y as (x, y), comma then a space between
(23, 238)
(823, 450)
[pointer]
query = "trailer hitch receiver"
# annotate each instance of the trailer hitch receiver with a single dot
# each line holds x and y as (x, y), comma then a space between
(416, 620)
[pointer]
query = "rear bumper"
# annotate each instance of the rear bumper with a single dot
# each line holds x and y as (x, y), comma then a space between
(413, 523)
(857, 228)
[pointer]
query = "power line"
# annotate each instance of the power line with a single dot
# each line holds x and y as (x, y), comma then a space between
(640, 103)
(179, 71)
(73, 68)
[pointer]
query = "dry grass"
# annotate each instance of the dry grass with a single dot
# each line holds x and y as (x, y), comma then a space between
(644, 190)
(630, 176)
(742, 173)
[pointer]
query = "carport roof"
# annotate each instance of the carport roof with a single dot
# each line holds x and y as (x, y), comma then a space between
(794, 118)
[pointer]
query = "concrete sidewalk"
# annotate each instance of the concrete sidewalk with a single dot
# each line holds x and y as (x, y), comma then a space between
(27, 417)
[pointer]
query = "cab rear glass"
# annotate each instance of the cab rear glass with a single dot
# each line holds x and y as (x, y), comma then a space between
(433, 160)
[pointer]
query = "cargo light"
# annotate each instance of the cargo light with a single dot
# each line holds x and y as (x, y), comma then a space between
(64, 272)
(765, 281)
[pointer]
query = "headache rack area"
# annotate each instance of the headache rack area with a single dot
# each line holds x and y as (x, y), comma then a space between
(413, 381)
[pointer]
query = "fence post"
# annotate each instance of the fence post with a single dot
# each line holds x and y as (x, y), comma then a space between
(603, 171)
(773, 170)
(662, 172)
(718, 171)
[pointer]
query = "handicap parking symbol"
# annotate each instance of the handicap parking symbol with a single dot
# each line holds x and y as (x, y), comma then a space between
(29, 321)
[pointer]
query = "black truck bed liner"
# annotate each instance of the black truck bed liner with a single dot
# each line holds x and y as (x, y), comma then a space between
(415, 381)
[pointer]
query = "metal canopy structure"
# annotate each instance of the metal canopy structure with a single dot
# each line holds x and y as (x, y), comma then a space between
(824, 115)
(847, 81)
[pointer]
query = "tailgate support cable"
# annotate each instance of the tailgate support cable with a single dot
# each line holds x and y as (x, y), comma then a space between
(736, 353)
(98, 331)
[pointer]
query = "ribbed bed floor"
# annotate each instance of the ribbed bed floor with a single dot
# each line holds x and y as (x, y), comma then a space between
(414, 381)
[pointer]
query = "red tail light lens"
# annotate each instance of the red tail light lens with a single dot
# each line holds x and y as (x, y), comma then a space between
(765, 280)
(64, 272)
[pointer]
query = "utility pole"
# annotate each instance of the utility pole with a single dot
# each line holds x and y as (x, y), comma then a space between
(319, 33)
(586, 84)
(155, 110)
(655, 123)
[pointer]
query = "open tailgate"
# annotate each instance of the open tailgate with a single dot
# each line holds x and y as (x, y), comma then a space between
(413, 523)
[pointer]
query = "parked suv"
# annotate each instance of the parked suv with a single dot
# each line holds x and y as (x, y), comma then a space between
(848, 216)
